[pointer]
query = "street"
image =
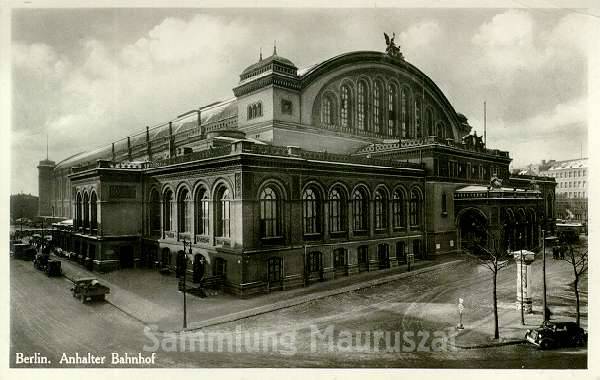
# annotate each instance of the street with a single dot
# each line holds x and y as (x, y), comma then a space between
(46, 319)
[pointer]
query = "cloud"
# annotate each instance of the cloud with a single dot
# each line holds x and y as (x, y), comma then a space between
(551, 134)
(40, 60)
(418, 38)
(509, 29)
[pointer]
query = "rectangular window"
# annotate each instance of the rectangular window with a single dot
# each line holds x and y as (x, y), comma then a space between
(286, 106)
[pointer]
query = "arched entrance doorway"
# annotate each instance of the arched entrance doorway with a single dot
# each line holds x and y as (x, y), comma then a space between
(472, 230)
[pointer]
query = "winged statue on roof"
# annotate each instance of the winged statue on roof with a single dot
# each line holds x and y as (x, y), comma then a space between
(392, 50)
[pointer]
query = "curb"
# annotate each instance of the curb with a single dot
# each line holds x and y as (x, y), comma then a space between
(490, 345)
(310, 297)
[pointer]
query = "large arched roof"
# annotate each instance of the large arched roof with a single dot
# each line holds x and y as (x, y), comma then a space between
(312, 73)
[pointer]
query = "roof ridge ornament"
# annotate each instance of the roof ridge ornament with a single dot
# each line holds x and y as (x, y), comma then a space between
(392, 50)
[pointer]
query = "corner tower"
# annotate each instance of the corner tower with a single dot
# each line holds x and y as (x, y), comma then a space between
(45, 175)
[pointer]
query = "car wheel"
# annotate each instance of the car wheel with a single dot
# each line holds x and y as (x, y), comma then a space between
(545, 344)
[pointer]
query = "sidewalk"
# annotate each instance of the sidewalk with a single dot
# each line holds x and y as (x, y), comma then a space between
(153, 299)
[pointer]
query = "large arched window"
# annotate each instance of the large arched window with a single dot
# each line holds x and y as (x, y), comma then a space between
(270, 213)
(398, 213)
(429, 122)
(184, 220)
(418, 122)
(415, 208)
(154, 213)
(362, 99)
(93, 212)
(392, 100)
(168, 211)
(327, 113)
(311, 211)
(337, 211)
(346, 107)
(378, 108)
(449, 134)
(405, 120)
(380, 210)
(78, 209)
(223, 212)
(441, 131)
(360, 210)
(202, 212)
(86, 211)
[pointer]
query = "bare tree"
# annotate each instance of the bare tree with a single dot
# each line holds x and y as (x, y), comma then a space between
(490, 253)
(578, 258)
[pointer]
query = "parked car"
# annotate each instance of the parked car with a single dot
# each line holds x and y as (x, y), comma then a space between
(557, 334)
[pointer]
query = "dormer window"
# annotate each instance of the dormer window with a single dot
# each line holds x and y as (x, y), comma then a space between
(254, 110)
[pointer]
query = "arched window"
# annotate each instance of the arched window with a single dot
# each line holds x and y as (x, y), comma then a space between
(380, 210)
(550, 207)
(223, 212)
(418, 124)
(167, 211)
(86, 211)
(270, 213)
(327, 113)
(337, 211)
(415, 208)
(378, 108)
(78, 209)
(441, 131)
(154, 213)
(346, 107)
(93, 212)
(362, 106)
(405, 104)
(360, 210)
(392, 100)
(184, 221)
(202, 212)
(429, 122)
(311, 211)
(398, 213)
(449, 134)
(259, 109)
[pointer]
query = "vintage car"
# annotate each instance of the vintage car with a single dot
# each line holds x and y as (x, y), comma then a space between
(24, 251)
(557, 334)
(89, 289)
(53, 268)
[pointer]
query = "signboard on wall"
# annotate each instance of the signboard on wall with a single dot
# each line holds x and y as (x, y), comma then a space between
(121, 191)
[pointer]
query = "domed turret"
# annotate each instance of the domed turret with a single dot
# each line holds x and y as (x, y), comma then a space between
(274, 63)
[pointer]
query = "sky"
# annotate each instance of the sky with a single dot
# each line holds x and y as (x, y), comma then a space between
(87, 77)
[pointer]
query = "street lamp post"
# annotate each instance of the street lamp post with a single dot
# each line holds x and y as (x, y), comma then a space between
(184, 290)
(521, 282)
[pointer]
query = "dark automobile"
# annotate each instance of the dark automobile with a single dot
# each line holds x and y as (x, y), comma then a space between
(89, 289)
(557, 334)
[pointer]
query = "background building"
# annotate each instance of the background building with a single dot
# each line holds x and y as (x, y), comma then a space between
(571, 187)
(357, 163)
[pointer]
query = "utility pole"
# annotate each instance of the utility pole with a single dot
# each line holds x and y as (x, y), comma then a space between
(544, 273)
(484, 124)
